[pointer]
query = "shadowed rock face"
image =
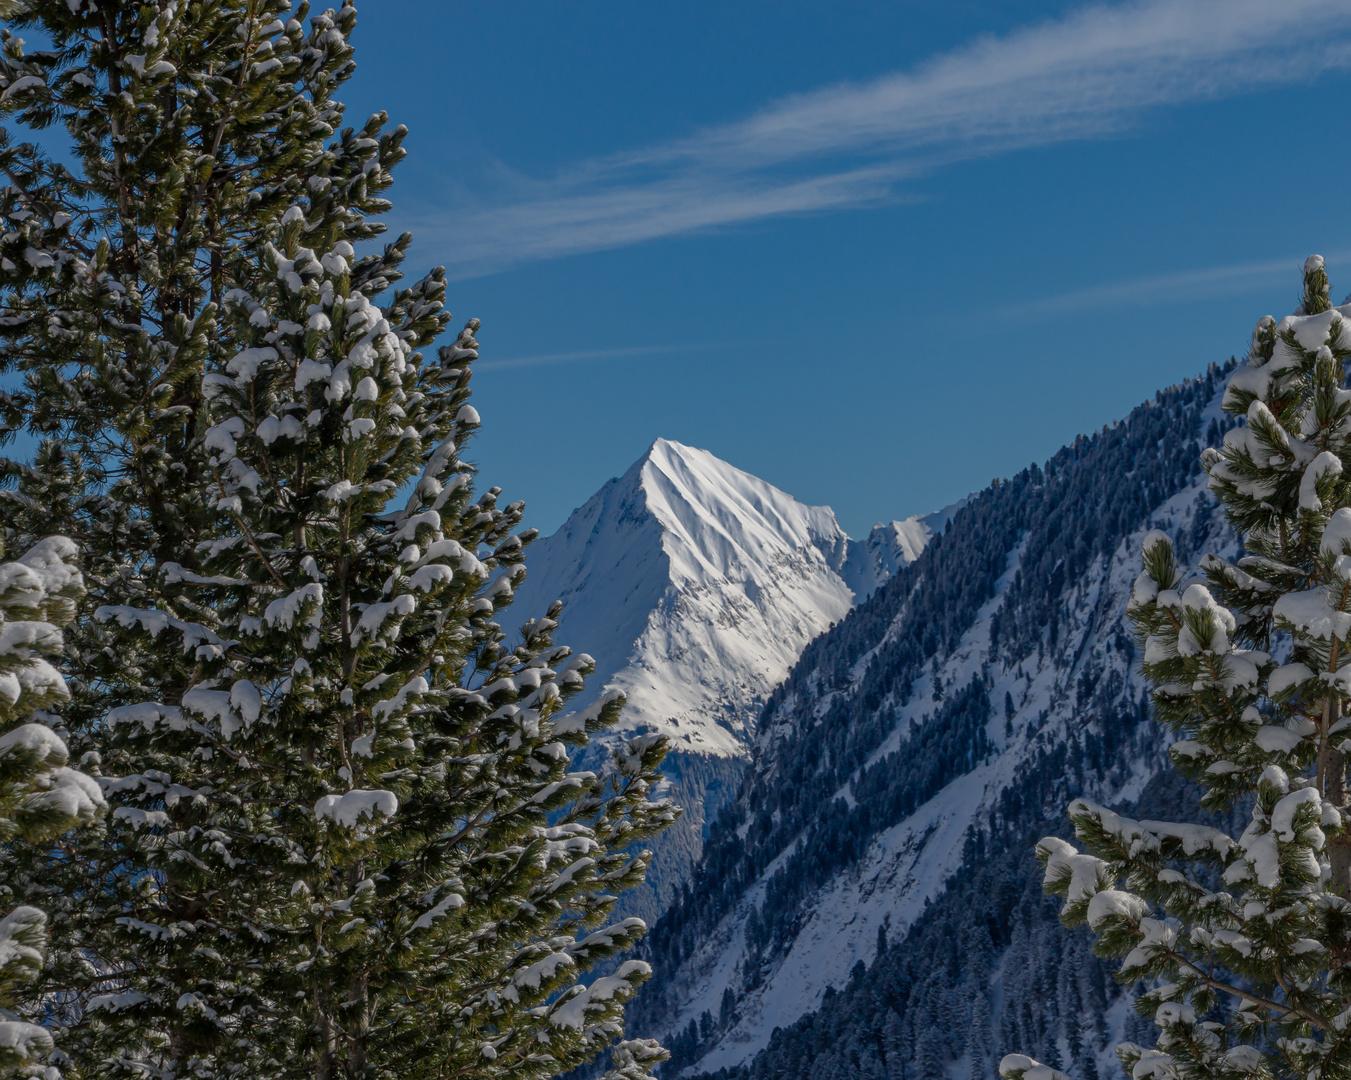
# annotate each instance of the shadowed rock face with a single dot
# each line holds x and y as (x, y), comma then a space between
(696, 586)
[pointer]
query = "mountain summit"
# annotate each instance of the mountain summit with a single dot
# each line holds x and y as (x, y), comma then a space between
(696, 586)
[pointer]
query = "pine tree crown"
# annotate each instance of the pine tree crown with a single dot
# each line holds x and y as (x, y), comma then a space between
(1238, 939)
(347, 835)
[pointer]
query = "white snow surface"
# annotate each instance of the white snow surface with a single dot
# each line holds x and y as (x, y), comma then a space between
(348, 809)
(696, 586)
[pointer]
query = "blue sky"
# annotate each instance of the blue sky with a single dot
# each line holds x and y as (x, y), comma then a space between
(876, 253)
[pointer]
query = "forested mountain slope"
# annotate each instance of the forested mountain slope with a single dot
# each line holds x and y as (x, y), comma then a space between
(904, 769)
(695, 586)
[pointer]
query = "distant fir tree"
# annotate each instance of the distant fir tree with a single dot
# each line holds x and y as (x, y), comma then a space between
(1244, 940)
(40, 795)
(346, 840)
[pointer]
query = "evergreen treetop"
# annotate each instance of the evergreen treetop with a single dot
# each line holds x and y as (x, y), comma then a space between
(40, 795)
(1243, 941)
(346, 836)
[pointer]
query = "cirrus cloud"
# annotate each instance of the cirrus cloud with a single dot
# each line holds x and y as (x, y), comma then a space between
(1096, 72)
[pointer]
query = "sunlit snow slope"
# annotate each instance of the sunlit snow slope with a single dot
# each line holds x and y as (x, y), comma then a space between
(696, 586)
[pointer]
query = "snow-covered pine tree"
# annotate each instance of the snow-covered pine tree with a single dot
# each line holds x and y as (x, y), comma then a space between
(1244, 941)
(40, 795)
(346, 839)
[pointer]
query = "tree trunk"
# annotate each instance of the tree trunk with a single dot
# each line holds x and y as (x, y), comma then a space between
(1334, 784)
(327, 1068)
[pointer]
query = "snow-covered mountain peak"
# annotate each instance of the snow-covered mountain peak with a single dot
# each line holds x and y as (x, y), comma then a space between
(721, 523)
(890, 545)
(695, 585)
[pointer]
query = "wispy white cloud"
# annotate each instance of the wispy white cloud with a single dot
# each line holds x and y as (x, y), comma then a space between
(1089, 74)
(1184, 286)
(511, 363)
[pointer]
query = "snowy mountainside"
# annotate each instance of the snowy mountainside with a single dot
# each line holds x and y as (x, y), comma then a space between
(889, 545)
(906, 742)
(695, 586)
